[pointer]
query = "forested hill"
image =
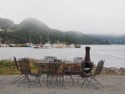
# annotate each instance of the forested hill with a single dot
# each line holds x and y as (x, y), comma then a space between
(6, 23)
(32, 30)
(111, 39)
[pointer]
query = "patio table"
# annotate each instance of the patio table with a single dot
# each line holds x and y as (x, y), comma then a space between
(59, 69)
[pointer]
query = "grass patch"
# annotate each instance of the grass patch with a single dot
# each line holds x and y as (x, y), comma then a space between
(8, 67)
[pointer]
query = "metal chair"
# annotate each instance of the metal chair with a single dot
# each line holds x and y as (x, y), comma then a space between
(69, 70)
(17, 66)
(78, 59)
(25, 69)
(50, 58)
(52, 69)
(89, 76)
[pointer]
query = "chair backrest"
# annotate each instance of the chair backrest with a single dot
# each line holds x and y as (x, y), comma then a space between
(78, 59)
(99, 67)
(24, 66)
(50, 58)
(16, 63)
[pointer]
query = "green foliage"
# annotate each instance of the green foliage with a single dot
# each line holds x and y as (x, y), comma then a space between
(7, 63)
(23, 36)
(8, 67)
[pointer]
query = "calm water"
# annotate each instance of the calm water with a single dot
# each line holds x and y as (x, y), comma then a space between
(114, 55)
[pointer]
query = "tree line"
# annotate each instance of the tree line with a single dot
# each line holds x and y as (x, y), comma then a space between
(32, 30)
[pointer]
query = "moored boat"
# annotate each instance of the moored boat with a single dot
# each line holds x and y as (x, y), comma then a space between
(77, 46)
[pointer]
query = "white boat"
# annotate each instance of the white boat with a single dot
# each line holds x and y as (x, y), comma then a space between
(47, 45)
(60, 45)
(29, 44)
(71, 46)
(12, 45)
(37, 46)
(77, 46)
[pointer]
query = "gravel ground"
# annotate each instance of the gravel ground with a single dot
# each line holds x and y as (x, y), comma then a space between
(111, 85)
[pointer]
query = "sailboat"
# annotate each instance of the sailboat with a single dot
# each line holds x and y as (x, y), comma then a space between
(30, 44)
(47, 46)
(0, 42)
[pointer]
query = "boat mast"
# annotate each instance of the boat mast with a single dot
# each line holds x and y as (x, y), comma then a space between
(0, 41)
(41, 40)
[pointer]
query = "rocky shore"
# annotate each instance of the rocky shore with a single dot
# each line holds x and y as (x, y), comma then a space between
(114, 71)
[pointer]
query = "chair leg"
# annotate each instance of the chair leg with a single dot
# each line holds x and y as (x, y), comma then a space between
(92, 78)
(28, 80)
(17, 78)
(60, 78)
(39, 81)
(36, 79)
(56, 78)
(83, 82)
(89, 81)
(24, 77)
(84, 79)
(47, 80)
(63, 82)
(97, 82)
(78, 80)
(72, 79)
(51, 79)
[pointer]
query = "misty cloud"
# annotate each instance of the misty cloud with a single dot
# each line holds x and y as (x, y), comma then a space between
(87, 16)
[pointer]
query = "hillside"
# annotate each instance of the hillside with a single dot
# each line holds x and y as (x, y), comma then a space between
(6, 23)
(33, 25)
(111, 39)
(35, 31)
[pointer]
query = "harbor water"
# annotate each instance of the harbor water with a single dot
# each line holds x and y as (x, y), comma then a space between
(114, 55)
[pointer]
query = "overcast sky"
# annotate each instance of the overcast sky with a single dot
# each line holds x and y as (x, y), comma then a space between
(87, 16)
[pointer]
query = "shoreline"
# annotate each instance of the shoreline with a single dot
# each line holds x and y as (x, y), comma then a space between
(9, 67)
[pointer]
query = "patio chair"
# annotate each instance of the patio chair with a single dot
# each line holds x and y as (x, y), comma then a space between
(89, 77)
(78, 59)
(16, 63)
(46, 63)
(50, 58)
(51, 69)
(25, 69)
(17, 67)
(68, 70)
(86, 67)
